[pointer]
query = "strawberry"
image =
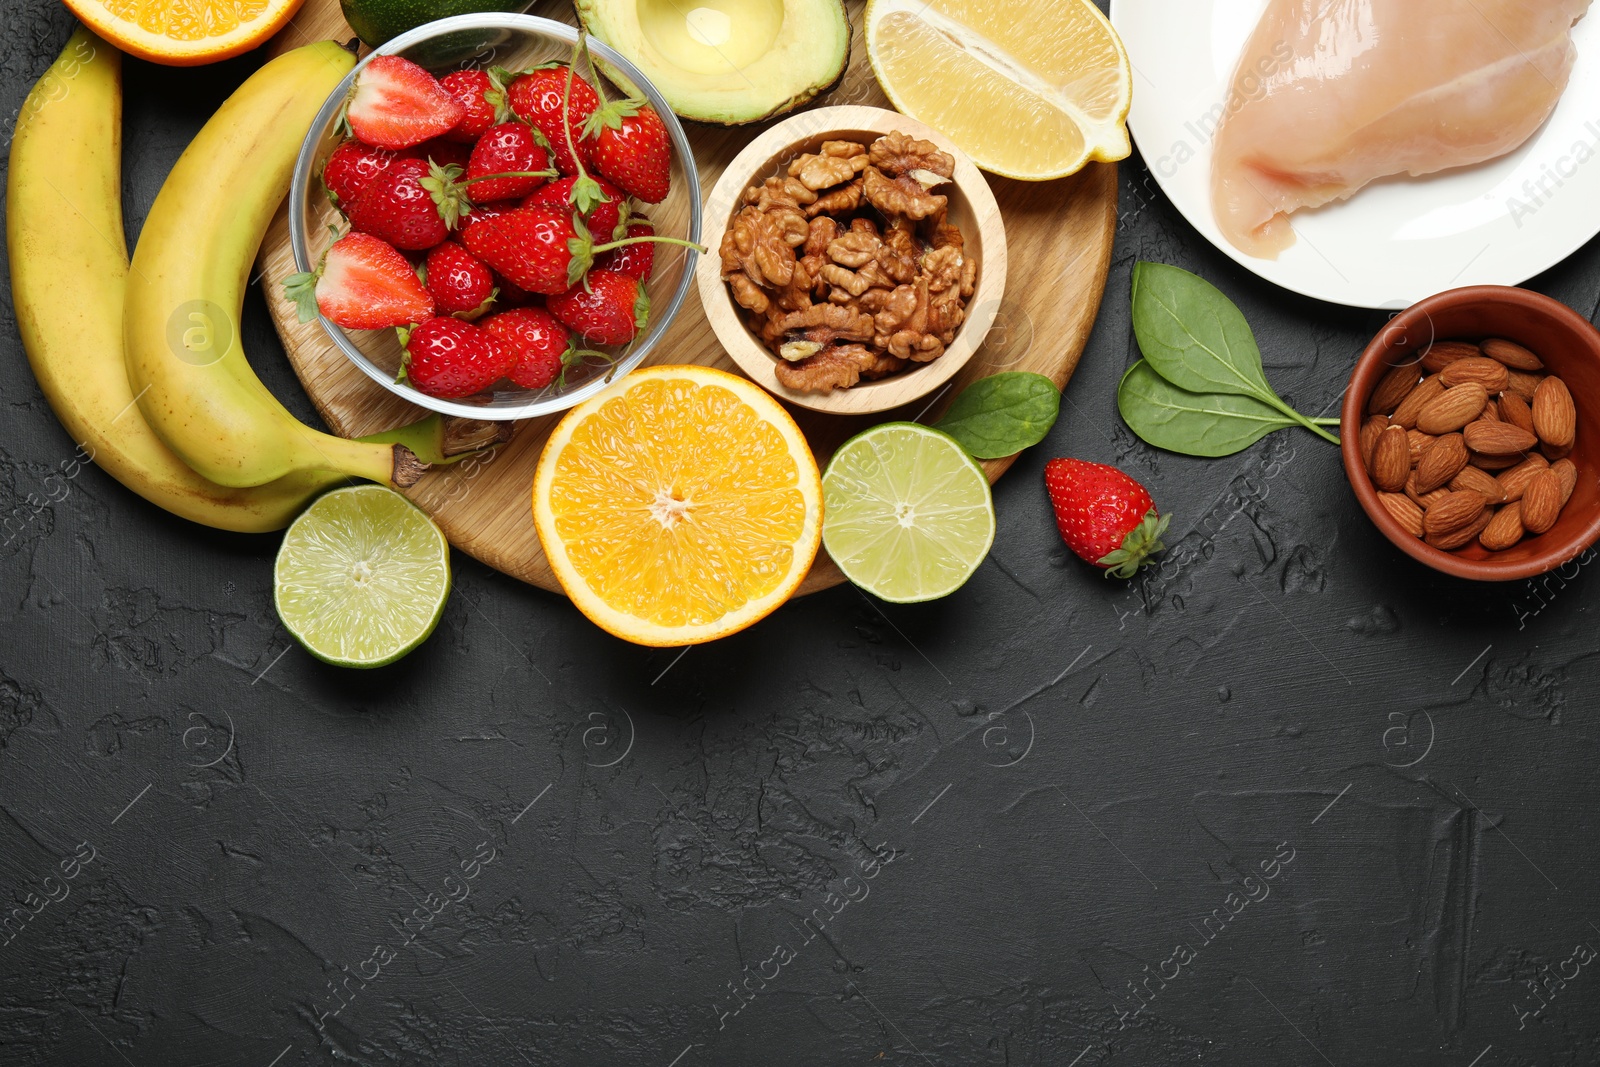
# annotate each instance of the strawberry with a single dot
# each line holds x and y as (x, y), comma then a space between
(484, 212)
(1104, 516)
(451, 359)
(538, 342)
(636, 261)
(543, 249)
(512, 295)
(604, 219)
(459, 282)
(397, 104)
(351, 166)
(477, 94)
(539, 97)
(528, 245)
(509, 148)
(632, 149)
(398, 207)
(443, 151)
(607, 309)
(362, 284)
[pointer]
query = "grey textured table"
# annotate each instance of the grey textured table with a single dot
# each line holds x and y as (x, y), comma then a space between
(1290, 799)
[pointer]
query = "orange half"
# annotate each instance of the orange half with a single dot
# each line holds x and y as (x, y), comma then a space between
(679, 506)
(184, 33)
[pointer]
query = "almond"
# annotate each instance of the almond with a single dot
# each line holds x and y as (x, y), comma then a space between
(1512, 355)
(1515, 480)
(1449, 410)
(1515, 410)
(1485, 462)
(1392, 388)
(1554, 454)
(1504, 530)
(1498, 438)
(1454, 539)
(1569, 478)
(1420, 443)
(1523, 384)
(1541, 502)
(1442, 461)
(1401, 508)
(1490, 412)
(1489, 373)
(1479, 482)
(1406, 414)
(1452, 512)
(1391, 460)
(1555, 419)
(1441, 354)
(1421, 499)
(1369, 436)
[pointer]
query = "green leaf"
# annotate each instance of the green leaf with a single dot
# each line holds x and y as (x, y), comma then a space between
(1002, 414)
(1195, 424)
(1198, 340)
(1193, 335)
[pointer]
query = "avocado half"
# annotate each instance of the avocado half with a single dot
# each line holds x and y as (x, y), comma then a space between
(727, 62)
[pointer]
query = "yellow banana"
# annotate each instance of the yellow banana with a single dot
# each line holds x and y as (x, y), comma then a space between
(187, 285)
(68, 266)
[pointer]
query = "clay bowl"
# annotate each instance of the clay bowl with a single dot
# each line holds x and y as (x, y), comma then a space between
(972, 207)
(1570, 348)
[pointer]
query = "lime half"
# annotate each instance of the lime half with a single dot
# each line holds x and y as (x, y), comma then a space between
(362, 577)
(906, 512)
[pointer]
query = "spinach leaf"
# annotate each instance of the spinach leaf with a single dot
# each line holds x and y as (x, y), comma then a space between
(1002, 414)
(1195, 424)
(1198, 340)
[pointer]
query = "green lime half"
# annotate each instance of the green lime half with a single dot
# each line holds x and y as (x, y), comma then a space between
(906, 513)
(362, 577)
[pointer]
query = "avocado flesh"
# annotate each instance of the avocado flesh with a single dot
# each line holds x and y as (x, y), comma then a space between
(727, 62)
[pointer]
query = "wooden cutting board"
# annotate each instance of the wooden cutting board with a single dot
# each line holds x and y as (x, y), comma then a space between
(1060, 236)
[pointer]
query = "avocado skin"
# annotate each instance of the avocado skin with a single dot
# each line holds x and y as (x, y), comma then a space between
(798, 99)
(377, 21)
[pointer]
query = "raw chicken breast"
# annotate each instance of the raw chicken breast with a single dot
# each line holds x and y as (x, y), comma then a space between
(1332, 94)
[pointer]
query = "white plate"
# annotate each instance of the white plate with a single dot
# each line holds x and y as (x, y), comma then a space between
(1397, 240)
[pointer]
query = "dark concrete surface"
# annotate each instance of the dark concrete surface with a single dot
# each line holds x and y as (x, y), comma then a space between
(1303, 800)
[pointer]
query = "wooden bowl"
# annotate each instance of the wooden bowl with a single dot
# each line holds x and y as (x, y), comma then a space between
(972, 207)
(1570, 348)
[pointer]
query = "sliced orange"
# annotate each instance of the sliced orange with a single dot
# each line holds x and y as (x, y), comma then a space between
(1028, 90)
(185, 33)
(679, 506)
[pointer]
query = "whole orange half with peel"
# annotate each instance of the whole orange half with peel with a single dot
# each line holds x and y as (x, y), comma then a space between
(185, 33)
(679, 506)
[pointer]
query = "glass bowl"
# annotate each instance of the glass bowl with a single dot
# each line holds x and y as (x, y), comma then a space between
(514, 42)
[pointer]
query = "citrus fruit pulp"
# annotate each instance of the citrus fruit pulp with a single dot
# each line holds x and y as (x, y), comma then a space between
(908, 513)
(1028, 90)
(679, 506)
(362, 577)
(184, 32)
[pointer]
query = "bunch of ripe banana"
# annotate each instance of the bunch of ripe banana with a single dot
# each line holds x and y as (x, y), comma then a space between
(144, 367)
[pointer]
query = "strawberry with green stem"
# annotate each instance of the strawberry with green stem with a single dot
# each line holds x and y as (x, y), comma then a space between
(628, 143)
(543, 349)
(544, 249)
(607, 309)
(1105, 517)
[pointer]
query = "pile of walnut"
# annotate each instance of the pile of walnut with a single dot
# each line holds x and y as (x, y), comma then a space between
(848, 265)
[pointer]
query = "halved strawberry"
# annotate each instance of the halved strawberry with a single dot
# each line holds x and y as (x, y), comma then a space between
(362, 284)
(397, 104)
